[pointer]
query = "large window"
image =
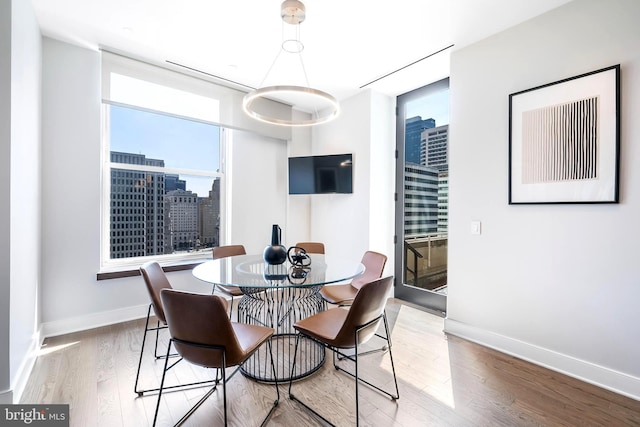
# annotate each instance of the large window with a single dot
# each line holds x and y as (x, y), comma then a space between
(163, 181)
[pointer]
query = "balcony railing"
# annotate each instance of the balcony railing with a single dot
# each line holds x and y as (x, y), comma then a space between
(426, 262)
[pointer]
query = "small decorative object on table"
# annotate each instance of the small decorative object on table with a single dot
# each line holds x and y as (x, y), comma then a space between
(275, 253)
(300, 263)
(298, 257)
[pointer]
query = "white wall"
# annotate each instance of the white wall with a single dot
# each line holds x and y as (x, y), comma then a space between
(5, 208)
(299, 206)
(555, 284)
(350, 224)
(20, 53)
(71, 193)
(258, 189)
(25, 192)
(382, 177)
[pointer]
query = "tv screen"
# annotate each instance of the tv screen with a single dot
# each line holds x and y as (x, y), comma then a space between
(321, 174)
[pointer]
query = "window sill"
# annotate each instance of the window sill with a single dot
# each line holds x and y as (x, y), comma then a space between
(135, 271)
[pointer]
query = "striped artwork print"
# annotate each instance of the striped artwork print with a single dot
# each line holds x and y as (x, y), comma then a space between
(560, 142)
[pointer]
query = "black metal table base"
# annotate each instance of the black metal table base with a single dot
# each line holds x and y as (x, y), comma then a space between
(280, 308)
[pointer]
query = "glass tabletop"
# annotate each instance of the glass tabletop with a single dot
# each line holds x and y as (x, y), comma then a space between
(251, 271)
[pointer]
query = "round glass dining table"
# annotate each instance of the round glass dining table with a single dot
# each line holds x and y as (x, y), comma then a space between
(277, 296)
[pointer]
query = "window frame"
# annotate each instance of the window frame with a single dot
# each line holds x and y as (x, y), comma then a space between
(429, 299)
(121, 267)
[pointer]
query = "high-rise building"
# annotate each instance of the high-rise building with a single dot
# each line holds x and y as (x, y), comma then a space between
(434, 148)
(209, 217)
(421, 181)
(413, 137)
(420, 200)
(181, 208)
(173, 182)
(155, 226)
(153, 214)
(137, 211)
(434, 152)
(443, 202)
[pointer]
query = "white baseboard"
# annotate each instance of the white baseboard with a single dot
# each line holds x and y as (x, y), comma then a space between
(24, 371)
(94, 320)
(597, 375)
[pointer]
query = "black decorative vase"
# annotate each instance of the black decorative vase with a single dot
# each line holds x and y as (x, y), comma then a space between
(275, 253)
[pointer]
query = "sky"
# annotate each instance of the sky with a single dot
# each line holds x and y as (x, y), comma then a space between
(434, 106)
(180, 143)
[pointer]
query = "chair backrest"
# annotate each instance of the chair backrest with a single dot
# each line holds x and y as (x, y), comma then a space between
(367, 306)
(156, 281)
(202, 320)
(374, 263)
(229, 250)
(311, 247)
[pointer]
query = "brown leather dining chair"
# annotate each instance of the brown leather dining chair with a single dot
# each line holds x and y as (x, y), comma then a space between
(224, 252)
(202, 334)
(155, 280)
(343, 294)
(339, 329)
(311, 247)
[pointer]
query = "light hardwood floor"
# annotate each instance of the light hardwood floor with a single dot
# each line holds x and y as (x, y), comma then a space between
(443, 380)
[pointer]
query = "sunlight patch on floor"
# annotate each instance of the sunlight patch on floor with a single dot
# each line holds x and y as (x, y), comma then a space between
(47, 349)
(437, 384)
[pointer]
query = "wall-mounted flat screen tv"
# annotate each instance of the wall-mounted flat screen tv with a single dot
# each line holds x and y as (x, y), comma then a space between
(321, 174)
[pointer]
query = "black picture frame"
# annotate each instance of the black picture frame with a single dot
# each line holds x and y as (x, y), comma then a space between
(564, 140)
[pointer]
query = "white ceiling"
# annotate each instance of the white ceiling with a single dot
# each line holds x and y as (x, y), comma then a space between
(347, 44)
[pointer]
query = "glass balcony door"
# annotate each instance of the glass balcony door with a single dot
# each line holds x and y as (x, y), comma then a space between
(422, 186)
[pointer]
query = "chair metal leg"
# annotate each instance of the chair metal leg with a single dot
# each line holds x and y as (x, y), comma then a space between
(168, 355)
(354, 358)
(147, 329)
(292, 396)
(225, 379)
(162, 388)
(275, 380)
(224, 386)
(155, 350)
(164, 372)
(356, 376)
(144, 337)
(393, 367)
(357, 382)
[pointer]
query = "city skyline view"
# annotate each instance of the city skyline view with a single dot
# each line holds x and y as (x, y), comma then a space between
(166, 210)
(152, 213)
(180, 143)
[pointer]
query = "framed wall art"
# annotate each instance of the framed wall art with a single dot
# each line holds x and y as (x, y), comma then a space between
(564, 140)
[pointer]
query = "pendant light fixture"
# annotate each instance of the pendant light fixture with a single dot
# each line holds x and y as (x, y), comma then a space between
(321, 106)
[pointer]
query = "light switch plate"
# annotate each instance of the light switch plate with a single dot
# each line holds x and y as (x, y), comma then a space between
(476, 227)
